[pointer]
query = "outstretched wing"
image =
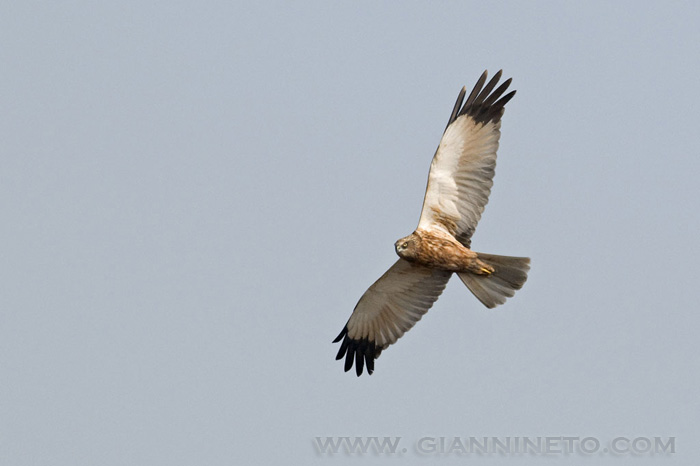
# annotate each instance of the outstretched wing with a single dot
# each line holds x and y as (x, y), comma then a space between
(387, 310)
(461, 173)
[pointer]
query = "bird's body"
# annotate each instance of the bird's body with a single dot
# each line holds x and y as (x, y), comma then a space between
(459, 183)
(440, 250)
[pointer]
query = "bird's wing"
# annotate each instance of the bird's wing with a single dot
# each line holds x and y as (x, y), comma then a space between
(461, 173)
(387, 310)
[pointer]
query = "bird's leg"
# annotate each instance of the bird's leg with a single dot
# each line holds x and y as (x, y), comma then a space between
(481, 268)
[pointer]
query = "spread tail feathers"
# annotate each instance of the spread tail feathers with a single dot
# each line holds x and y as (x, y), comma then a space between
(508, 276)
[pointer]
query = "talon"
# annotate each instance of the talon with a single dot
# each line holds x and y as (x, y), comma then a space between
(486, 271)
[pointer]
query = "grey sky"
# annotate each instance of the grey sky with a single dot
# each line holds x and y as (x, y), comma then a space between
(196, 195)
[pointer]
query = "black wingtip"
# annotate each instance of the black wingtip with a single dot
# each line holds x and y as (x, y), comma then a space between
(458, 105)
(341, 334)
(348, 360)
(359, 361)
(477, 88)
(361, 353)
(483, 105)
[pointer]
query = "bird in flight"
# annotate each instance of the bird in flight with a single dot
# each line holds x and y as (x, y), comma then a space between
(459, 184)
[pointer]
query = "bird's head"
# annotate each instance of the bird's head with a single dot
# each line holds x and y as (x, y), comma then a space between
(407, 247)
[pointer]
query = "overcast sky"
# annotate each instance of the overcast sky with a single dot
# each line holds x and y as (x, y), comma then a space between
(194, 197)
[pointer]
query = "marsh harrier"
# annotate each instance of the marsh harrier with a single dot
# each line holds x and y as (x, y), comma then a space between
(459, 184)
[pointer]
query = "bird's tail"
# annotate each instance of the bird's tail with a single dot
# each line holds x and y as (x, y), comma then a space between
(508, 276)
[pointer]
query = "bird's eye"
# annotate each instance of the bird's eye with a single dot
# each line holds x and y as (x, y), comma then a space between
(404, 245)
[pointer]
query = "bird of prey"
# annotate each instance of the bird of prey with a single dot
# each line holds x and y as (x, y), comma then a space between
(459, 184)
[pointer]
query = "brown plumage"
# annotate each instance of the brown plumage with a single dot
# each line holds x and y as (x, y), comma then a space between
(459, 184)
(439, 250)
